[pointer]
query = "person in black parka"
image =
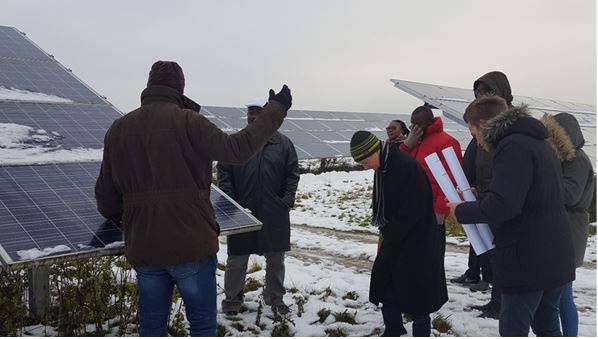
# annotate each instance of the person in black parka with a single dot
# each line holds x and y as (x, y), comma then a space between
(408, 273)
(266, 185)
(524, 207)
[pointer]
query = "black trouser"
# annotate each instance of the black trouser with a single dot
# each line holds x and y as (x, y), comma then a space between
(538, 309)
(393, 322)
(477, 262)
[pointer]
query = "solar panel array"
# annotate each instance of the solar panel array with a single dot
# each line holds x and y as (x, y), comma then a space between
(453, 102)
(49, 211)
(323, 134)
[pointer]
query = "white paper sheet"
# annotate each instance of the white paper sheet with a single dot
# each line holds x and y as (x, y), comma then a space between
(446, 185)
(463, 184)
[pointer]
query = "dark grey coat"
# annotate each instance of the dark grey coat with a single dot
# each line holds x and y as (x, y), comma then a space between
(524, 207)
(578, 176)
(266, 185)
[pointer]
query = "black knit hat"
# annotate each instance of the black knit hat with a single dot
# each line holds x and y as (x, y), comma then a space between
(363, 144)
(167, 73)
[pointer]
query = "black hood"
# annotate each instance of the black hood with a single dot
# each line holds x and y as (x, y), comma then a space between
(516, 120)
(499, 83)
(571, 126)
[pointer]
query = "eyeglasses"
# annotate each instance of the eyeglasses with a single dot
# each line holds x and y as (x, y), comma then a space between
(481, 90)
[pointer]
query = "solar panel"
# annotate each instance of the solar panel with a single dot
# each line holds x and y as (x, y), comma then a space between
(319, 134)
(453, 102)
(69, 125)
(48, 212)
(51, 210)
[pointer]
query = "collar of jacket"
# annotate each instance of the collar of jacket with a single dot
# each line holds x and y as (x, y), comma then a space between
(275, 138)
(516, 120)
(167, 94)
(434, 127)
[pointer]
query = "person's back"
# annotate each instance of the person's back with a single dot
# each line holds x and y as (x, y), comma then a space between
(534, 252)
(567, 141)
(155, 178)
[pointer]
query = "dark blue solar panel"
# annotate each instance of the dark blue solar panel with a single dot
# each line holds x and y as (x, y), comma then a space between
(45, 77)
(51, 205)
(75, 125)
(14, 45)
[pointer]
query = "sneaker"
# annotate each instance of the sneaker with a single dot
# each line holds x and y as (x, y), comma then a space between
(480, 286)
(464, 279)
(281, 309)
(231, 313)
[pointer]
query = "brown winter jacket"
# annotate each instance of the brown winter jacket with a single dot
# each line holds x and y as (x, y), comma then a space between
(157, 170)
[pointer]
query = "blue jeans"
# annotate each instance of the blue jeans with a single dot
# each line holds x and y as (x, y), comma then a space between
(196, 281)
(568, 312)
(538, 309)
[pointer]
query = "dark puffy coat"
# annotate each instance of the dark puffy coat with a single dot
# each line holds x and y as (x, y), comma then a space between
(266, 185)
(523, 206)
(434, 141)
(157, 170)
(409, 268)
(578, 176)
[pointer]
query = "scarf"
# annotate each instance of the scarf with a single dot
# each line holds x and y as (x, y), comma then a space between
(378, 215)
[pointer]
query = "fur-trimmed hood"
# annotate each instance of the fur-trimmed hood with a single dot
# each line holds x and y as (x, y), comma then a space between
(516, 120)
(558, 138)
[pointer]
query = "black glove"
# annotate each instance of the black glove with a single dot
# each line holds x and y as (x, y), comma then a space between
(283, 97)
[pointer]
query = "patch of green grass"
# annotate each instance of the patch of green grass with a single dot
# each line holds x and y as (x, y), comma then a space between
(453, 227)
(592, 229)
(323, 314)
(351, 295)
(252, 285)
(255, 267)
(221, 266)
(442, 324)
(335, 332)
(345, 317)
(293, 290)
(327, 292)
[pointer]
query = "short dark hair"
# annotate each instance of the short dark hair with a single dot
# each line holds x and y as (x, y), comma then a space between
(425, 111)
(404, 129)
(484, 108)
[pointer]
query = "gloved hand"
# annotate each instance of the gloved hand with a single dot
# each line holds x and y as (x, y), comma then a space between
(414, 136)
(283, 97)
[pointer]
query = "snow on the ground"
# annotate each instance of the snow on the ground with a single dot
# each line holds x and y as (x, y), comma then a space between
(25, 145)
(312, 279)
(337, 200)
(23, 95)
(333, 245)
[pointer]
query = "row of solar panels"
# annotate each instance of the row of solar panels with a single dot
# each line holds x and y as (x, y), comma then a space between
(453, 101)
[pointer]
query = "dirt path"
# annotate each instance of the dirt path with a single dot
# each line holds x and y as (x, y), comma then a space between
(312, 256)
(360, 263)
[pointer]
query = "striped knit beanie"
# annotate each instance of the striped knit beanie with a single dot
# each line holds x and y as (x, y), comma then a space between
(363, 144)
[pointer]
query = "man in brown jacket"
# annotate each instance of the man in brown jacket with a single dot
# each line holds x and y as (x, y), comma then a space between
(155, 178)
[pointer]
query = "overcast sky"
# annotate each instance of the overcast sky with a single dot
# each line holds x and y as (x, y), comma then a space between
(334, 55)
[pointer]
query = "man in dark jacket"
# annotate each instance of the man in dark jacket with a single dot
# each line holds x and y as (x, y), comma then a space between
(477, 165)
(266, 185)
(155, 176)
(523, 206)
(408, 273)
(578, 188)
